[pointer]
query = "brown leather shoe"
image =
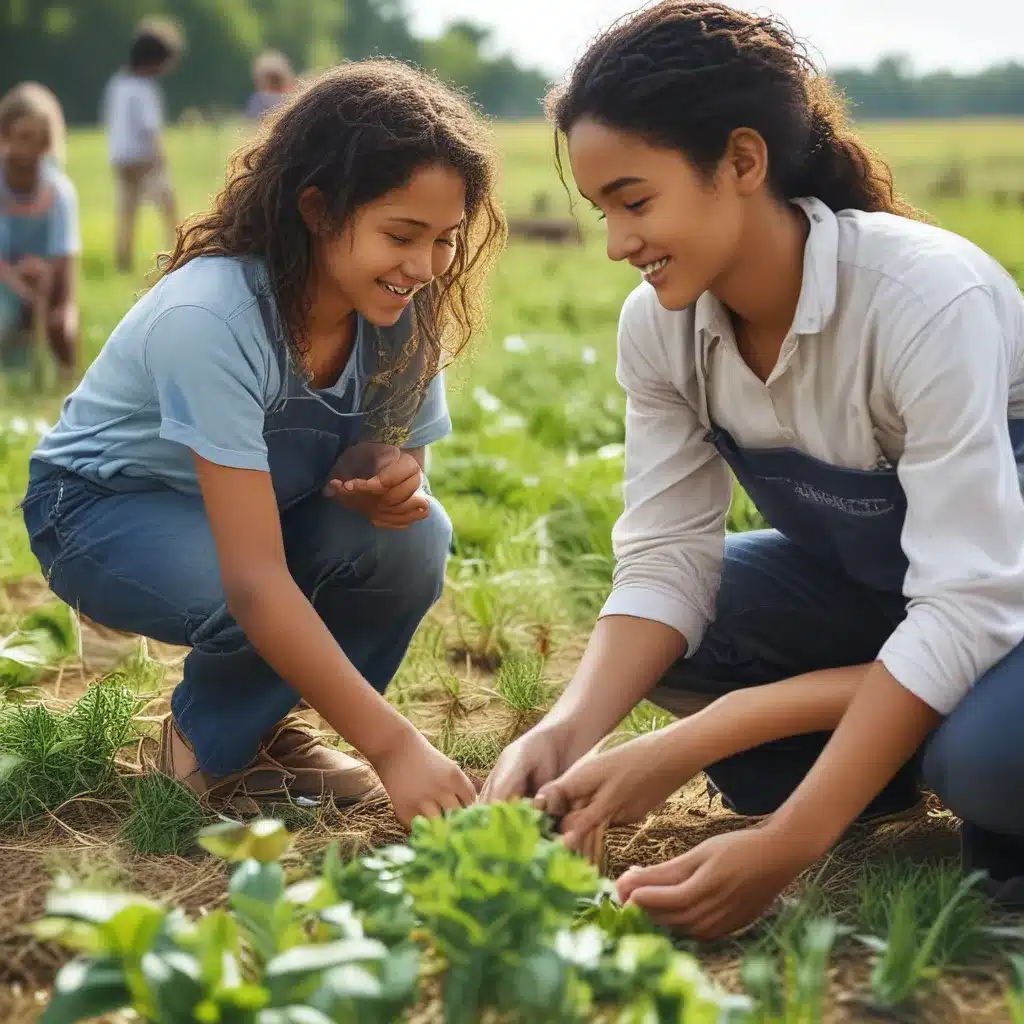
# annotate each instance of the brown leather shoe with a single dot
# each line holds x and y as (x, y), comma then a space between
(317, 769)
(242, 792)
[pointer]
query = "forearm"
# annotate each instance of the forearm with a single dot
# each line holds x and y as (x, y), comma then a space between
(746, 718)
(284, 628)
(880, 731)
(624, 659)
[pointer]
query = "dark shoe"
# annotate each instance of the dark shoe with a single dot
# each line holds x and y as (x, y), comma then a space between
(1001, 857)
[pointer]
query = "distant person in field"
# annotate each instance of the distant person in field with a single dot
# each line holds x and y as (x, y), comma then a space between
(273, 79)
(241, 469)
(861, 373)
(134, 119)
(39, 231)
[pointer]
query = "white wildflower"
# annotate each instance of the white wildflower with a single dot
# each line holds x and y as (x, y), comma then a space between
(589, 355)
(515, 343)
(611, 451)
(486, 401)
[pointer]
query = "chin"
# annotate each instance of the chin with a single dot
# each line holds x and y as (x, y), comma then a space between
(381, 317)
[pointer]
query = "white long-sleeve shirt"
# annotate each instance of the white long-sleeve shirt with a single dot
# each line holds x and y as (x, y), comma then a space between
(907, 348)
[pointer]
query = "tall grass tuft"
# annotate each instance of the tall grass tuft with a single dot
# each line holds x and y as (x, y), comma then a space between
(62, 754)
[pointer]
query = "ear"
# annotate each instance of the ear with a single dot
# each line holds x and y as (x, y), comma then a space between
(746, 158)
(313, 210)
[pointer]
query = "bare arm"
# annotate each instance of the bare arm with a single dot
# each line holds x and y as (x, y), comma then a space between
(880, 731)
(623, 661)
(744, 719)
(277, 617)
(65, 281)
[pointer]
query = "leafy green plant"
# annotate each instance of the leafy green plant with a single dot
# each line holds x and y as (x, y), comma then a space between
(164, 816)
(62, 754)
(42, 640)
(905, 960)
(275, 956)
(483, 895)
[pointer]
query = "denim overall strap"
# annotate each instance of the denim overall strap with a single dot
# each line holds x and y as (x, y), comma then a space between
(852, 518)
(304, 437)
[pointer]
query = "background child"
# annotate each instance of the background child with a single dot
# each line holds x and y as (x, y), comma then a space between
(273, 78)
(134, 119)
(862, 375)
(39, 231)
(240, 470)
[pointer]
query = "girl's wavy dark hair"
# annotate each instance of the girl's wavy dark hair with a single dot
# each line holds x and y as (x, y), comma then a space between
(357, 132)
(687, 73)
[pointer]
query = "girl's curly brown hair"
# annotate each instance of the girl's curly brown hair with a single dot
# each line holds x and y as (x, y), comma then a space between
(687, 73)
(356, 132)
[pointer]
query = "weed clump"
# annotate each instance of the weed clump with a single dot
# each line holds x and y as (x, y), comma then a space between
(61, 755)
(164, 816)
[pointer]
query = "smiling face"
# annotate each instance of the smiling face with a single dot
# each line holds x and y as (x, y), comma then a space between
(391, 247)
(679, 228)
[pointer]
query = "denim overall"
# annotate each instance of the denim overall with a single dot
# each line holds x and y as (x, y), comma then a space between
(140, 557)
(823, 589)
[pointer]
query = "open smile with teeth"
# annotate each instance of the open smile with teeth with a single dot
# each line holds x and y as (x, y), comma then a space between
(395, 290)
(652, 268)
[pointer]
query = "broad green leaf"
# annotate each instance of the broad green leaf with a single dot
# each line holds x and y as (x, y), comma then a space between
(74, 935)
(265, 840)
(97, 908)
(224, 839)
(293, 1015)
(87, 988)
(343, 918)
(133, 930)
(256, 881)
(351, 981)
(174, 981)
(303, 960)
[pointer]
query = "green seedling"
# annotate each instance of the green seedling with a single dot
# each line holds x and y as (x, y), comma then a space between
(164, 816)
(905, 960)
(797, 994)
(472, 751)
(928, 887)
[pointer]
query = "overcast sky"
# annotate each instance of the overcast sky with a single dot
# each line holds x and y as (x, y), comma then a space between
(958, 34)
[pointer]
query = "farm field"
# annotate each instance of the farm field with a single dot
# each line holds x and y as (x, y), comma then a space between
(531, 478)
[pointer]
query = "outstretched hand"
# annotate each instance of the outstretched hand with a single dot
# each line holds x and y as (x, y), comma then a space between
(720, 886)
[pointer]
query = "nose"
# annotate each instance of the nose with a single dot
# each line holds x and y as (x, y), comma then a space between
(418, 266)
(623, 241)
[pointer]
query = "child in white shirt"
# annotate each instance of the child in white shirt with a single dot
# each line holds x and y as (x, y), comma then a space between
(133, 115)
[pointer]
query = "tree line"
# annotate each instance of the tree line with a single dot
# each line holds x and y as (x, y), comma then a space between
(74, 45)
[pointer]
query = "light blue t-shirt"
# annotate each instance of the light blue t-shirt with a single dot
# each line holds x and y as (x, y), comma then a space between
(44, 224)
(196, 364)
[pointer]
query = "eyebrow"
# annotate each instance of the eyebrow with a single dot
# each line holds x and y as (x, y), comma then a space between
(421, 223)
(618, 183)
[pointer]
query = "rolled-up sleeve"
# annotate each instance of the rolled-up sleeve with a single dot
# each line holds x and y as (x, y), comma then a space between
(209, 386)
(669, 540)
(964, 530)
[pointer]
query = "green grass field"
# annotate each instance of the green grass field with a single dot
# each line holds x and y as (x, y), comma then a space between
(531, 478)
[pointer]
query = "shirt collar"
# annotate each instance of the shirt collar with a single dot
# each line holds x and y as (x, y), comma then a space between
(818, 289)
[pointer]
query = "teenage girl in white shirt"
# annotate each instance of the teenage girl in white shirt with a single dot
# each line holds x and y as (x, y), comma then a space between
(862, 374)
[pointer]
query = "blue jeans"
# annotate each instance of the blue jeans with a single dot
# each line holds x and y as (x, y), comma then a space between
(781, 612)
(144, 561)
